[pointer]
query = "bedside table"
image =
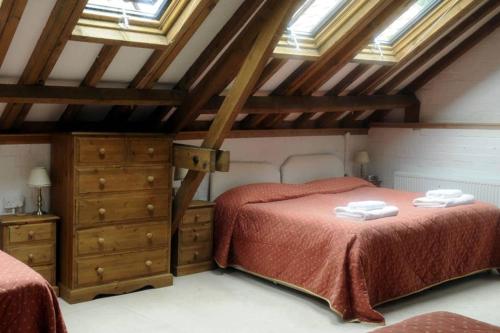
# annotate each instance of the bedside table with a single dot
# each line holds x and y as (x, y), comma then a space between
(192, 245)
(32, 240)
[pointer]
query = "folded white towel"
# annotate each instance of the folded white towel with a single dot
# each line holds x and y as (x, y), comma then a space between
(444, 194)
(366, 205)
(360, 214)
(441, 203)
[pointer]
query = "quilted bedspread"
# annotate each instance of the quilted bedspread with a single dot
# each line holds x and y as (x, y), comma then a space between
(440, 322)
(27, 302)
(290, 233)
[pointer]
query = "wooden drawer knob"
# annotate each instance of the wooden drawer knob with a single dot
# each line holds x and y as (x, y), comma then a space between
(102, 181)
(102, 151)
(196, 217)
(102, 211)
(151, 150)
(99, 270)
(149, 235)
(196, 236)
(151, 179)
(100, 240)
(31, 234)
(150, 207)
(196, 254)
(31, 257)
(148, 263)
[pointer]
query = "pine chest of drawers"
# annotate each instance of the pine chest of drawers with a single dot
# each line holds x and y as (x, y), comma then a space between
(192, 246)
(113, 193)
(32, 240)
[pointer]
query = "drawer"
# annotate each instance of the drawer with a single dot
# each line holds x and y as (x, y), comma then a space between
(149, 150)
(198, 215)
(100, 150)
(122, 237)
(32, 232)
(195, 254)
(189, 236)
(121, 208)
(103, 180)
(34, 255)
(121, 266)
(47, 272)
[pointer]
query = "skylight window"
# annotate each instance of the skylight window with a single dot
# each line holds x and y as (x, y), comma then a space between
(148, 9)
(397, 28)
(312, 15)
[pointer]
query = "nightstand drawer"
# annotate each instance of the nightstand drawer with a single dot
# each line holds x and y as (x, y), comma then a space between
(34, 255)
(122, 237)
(195, 254)
(121, 266)
(31, 232)
(101, 150)
(123, 207)
(47, 272)
(198, 215)
(149, 150)
(190, 236)
(104, 180)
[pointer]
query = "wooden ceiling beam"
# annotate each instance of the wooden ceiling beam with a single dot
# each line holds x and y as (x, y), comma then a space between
(54, 36)
(454, 54)
(11, 12)
(94, 75)
(17, 94)
(274, 16)
(313, 104)
(160, 60)
(328, 119)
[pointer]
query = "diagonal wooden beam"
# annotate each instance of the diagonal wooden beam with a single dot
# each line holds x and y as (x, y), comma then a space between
(274, 16)
(94, 75)
(10, 15)
(217, 46)
(54, 36)
(179, 34)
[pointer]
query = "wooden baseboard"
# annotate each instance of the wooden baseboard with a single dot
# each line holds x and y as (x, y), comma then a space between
(193, 268)
(114, 288)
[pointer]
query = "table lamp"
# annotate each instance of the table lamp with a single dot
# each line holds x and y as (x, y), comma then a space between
(39, 178)
(362, 158)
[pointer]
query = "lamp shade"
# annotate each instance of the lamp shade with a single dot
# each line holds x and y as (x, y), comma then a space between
(180, 173)
(39, 177)
(362, 157)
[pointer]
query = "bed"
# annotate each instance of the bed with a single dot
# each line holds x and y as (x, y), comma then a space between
(27, 301)
(288, 233)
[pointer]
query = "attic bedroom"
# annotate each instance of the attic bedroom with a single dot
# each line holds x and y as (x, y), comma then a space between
(249, 166)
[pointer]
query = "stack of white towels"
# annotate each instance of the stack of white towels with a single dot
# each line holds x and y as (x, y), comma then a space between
(443, 198)
(366, 210)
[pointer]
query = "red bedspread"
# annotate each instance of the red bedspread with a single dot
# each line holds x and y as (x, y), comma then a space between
(27, 302)
(290, 233)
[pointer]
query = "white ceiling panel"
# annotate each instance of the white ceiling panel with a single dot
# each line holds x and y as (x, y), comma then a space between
(45, 112)
(75, 61)
(126, 64)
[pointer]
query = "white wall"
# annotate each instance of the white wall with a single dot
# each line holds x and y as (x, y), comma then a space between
(276, 150)
(16, 162)
(468, 91)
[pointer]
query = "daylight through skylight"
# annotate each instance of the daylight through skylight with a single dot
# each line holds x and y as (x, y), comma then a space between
(151, 9)
(405, 21)
(312, 15)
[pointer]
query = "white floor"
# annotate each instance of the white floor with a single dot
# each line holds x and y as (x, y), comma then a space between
(231, 301)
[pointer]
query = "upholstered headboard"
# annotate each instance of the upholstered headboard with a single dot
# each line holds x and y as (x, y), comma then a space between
(242, 173)
(303, 168)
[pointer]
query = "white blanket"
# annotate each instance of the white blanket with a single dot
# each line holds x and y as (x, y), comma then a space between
(366, 205)
(442, 203)
(360, 214)
(444, 194)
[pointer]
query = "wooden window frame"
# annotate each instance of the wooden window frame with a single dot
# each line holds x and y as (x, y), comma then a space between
(99, 27)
